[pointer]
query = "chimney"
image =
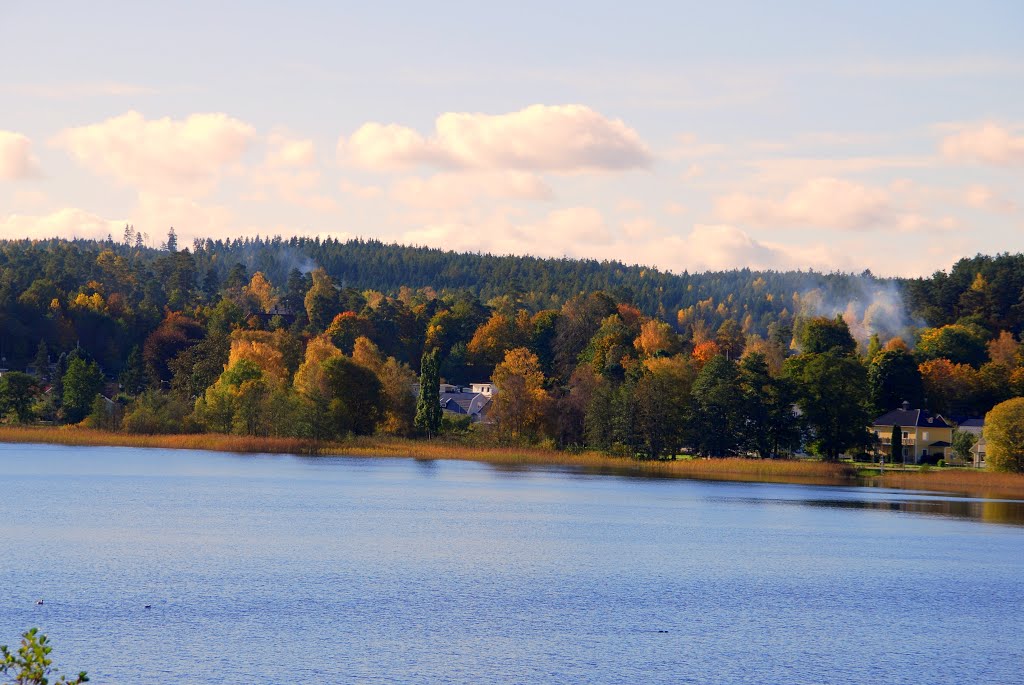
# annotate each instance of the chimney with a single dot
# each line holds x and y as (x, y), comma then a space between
(906, 405)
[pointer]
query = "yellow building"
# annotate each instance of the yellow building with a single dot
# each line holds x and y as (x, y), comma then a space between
(925, 437)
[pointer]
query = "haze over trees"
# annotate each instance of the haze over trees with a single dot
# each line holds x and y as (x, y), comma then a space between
(324, 339)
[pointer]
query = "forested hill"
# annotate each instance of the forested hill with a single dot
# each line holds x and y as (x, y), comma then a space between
(46, 287)
(538, 282)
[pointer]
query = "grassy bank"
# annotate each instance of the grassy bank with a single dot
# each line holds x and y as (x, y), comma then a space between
(974, 483)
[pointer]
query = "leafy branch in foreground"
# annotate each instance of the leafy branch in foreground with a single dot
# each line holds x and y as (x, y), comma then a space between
(30, 665)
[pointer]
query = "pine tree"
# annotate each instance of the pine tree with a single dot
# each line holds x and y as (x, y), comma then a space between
(133, 376)
(172, 241)
(428, 406)
(42, 360)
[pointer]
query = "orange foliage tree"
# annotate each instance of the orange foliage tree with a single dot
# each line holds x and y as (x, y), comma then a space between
(521, 400)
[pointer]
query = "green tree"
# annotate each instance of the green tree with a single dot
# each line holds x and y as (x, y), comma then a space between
(31, 664)
(42, 361)
(82, 382)
(428, 405)
(1004, 436)
(832, 393)
(959, 343)
(172, 241)
(321, 301)
(893, 377)
(896, 445)
(717, 399)
(663, 397)
(822, 334)
(963, 444)
(356, 396)
(769, 424)
(133, 375)
(17, 393)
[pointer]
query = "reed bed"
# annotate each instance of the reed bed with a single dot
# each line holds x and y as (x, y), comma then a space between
(974, 483)
(88, 437)
(960, 481)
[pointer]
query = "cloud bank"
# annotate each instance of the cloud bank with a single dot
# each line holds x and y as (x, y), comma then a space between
(565, 138)
(987, 143)
(16, 160)
(185, 156)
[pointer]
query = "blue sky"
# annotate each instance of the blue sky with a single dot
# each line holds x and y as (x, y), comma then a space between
(887, 136)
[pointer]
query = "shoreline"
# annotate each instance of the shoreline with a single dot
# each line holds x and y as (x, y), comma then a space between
(983, 484)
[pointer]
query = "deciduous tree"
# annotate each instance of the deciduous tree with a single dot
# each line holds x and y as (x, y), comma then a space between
(1004, 436)
(520, 401)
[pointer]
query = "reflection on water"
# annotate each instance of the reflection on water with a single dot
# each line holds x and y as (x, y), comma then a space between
(874, 498)
(991, 511)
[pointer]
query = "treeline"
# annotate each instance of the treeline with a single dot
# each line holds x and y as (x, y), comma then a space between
(322, 339)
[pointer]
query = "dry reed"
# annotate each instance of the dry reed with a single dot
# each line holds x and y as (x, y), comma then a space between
(974, 483)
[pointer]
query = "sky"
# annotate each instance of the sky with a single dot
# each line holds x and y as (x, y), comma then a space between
(681, 135)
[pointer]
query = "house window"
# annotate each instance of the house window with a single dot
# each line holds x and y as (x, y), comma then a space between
(924, 436)
(906, 435)
(906, 452)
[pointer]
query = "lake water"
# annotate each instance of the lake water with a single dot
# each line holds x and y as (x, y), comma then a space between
(280, 569)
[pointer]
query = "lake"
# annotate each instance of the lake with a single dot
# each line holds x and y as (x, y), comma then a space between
(282, 569)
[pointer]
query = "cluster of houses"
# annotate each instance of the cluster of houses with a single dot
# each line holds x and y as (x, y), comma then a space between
(926, 438)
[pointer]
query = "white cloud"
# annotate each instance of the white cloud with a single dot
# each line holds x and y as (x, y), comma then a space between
(819, 203)
(983, 197)
(64, 223)
(988, 143)
(565, 138)
(16, 160)
(286, 152)
(185, 156)
(451, 190)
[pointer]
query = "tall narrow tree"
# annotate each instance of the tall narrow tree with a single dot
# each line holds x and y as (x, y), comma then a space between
(428, 405)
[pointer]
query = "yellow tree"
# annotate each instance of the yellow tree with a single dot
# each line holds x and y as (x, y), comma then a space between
(656, 339)
(267, 358)
(1003, 350)
(366, 353)
(1004, 436)
(396, 380)
(521, 399)
(309, 379)
(262, 292)
(496, 336)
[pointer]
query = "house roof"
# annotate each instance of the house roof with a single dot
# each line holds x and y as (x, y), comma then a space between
(463, 402)
(911, 417)
(940, 443)
(972, 423)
